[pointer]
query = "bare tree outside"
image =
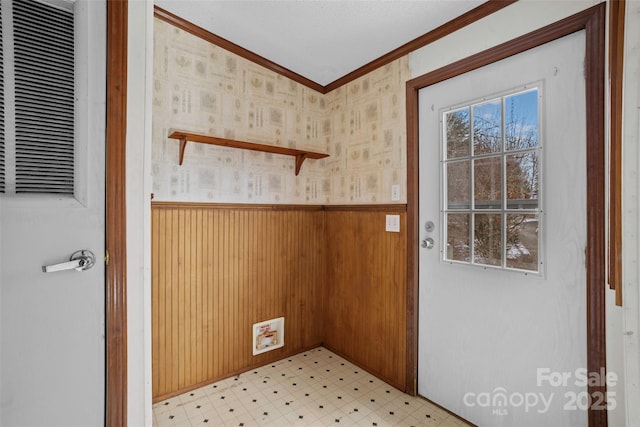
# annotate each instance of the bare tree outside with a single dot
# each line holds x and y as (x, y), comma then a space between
(492, 182)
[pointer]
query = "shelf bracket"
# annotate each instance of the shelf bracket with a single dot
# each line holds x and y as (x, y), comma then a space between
(300, 158)
(183, 145)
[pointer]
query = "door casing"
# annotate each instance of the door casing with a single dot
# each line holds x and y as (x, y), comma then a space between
(116, 268)
(591, 20)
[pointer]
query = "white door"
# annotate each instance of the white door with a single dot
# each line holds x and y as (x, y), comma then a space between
(52, 324)
(502, 317)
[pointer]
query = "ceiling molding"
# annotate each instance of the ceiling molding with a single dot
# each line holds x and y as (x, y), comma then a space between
(475, 14)
(197, 31)
(455, 24)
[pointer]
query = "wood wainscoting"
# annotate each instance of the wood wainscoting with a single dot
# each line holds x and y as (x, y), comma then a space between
(217, 270)
(365, 292)
(334, 273)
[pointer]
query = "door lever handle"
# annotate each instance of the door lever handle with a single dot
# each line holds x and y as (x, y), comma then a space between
(79, 261)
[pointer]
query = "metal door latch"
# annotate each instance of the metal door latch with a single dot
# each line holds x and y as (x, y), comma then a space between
(428, 243)
(79, 261)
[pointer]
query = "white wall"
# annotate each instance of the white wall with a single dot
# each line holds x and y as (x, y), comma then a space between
(623, 324)
(140, 60)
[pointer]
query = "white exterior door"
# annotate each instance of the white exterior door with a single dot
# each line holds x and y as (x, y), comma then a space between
(502, 299)
(52, 324)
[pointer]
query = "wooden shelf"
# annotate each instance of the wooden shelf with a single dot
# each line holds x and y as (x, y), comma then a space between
(300, 155)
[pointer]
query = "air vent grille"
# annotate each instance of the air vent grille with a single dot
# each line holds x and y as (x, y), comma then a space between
(44, 98)
(2, 143)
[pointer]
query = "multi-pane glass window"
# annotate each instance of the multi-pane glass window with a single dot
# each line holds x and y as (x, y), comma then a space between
(491, 175)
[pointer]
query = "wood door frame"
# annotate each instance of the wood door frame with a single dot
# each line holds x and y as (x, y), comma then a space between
(116, 268)
(591, 20)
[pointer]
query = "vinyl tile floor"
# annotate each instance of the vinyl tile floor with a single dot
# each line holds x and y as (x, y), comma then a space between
(314, 388)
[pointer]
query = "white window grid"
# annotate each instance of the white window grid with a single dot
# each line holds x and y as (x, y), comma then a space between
(503, 211)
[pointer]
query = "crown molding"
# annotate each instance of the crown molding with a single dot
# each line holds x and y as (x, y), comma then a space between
(475, 14)
(455, 24)
(197, 31)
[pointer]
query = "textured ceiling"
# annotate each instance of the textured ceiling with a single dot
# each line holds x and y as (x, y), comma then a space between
(320, 40)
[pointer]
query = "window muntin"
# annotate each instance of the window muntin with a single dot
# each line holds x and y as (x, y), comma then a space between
(491, 176)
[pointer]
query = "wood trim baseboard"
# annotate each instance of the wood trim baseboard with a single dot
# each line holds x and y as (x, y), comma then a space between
(116, 268)
(591, 20)
(359, 365)
(453, 414)
(232, 374)
(485, 9)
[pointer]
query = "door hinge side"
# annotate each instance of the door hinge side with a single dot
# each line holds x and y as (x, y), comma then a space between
(106, 257)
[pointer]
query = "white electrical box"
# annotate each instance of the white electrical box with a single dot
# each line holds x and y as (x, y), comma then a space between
(268, 335)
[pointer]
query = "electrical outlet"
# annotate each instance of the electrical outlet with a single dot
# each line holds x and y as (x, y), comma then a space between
(395, 193)
(393, 223)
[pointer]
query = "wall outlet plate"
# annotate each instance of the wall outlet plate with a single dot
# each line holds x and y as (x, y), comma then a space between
(393, 223)
(395, 193)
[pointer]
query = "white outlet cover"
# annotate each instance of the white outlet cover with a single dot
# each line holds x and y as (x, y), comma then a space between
(393, 223)
(395, 193)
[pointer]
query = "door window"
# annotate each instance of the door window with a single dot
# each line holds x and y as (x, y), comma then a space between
(491, 175)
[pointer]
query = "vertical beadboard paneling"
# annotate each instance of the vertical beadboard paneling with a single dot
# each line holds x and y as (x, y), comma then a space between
(365, 291)
(216, 270)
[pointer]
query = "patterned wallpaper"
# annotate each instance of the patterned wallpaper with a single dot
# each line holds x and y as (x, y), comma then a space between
(201, 88)
(367, 137)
